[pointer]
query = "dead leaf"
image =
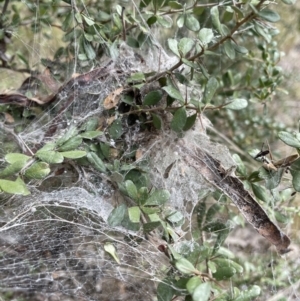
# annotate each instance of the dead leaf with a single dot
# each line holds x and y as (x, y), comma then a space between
(112, 99)
(8, 118)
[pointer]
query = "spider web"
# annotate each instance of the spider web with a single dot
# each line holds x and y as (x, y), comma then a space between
(52, 242)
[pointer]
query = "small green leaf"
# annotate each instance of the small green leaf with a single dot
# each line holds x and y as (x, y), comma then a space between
(179, 120)
(210, 89)
(152, 98)
(12, 169)
(237, 104)
(96, 161)
(260, 192)
(71, 144)
(165, 21)
(158, 197)
(89, 50)
(90, 134)
(206, 35)
(152, 20)
(289, 139)
(269, 15)
(200, 211)
(175, 4)
(88, 21)
(185, 266)
(21, 182)
(50, 157)
(249, 295)
(37, 170)
(132, 42)
(191, 22)
(185, 45)
(240, 49)
(211, 212)
(134, 214)
(13, 157)
(72, 131)
(176, 218)
(202, 292)
(289, 2)
(214, 13)
(131, 190)
(157, 122)
(229, 49)
(190, 121)
(48, 146)
(13, 187)
(226, 262)
(78, 17)
(76, 154)
(110, 249)
(148, 227)
(165, 291)
(180, 20)
(296, 179)
(137, 77)
(193, 283)
(224, 273)
(173, 45)
(117, 215)
(174, 93)
(115, 130)
(68, 21)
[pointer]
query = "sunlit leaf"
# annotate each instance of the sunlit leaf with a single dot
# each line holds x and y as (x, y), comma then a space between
(249, 294)
(12, 187)
(210, 89)
(90, 134)
(214, 13)
(289, 139)
(202, 292)
(173, 45)
(237, 104)
(13, 157)
(50, 157)
(158, 197)
(191, 22)
(110, 249)
(224, 273)
(185, 266)
(185, 45)
(229, 49)
(76, 154)
(134, 214)
(193, 283)
(37, 170)
(269, 15)
(206, 35)
(173, 92)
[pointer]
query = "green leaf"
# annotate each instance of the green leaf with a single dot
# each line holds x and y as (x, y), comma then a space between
(191, 22)
(260, 192)
(12, 169)
(202, 292)
(131, 190)
(134, 214)
(21, 182)
(165, 291)
(206, 35)
(224, 273)
(211, 212)
(157, 122)
(132, 42)
(237, 104)
(165, 21)
(176, 218)
(78, 17)
(50, 157)
(37, 170)
(193, 283)
(174, 93)
(229, 49)
(241, 168)
(240, 49)
(200, 211)
(289, 139)
(210, 89)
(13, 157)
(173, 45)
(115, 130)
(72, 131)
(158, 197)
(296, 179)
(148, 227)
(185, 266)
(153, 97)
(88, 21)
(89, 50)
(96, 161)
(190, 121)
(269, 15)
(110, 249)
(226, 262)
(175, 4)
(249, 295)
(49, 146)
(76, 154)
(12, 187)
(289, 2)
(180, 20)
(185, 45)
(152, 20)
(214, 13)
(68, 22)
(71, 144)
(90, 134)
(179, 120)
(117, 215)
